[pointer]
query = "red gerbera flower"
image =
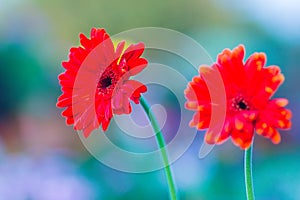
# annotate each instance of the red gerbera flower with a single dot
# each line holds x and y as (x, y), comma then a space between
(248, 88)
(96, 81)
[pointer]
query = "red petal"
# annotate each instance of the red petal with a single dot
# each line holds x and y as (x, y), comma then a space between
(243, 138)
(105, 124)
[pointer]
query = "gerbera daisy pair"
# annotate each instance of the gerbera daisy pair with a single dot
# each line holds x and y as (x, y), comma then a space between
(96, 85)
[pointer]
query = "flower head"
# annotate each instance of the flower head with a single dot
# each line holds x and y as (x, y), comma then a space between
(249, 87)
(96, 83)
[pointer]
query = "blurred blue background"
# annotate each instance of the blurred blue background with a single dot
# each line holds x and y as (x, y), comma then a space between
(43, 159)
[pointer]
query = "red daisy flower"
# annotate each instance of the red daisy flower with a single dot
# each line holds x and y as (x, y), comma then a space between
(96, 82)
(248, 88)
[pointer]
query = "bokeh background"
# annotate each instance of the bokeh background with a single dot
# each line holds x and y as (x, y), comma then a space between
(43, 159)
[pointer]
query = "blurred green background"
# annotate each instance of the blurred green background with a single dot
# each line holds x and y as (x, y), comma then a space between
(43, 159)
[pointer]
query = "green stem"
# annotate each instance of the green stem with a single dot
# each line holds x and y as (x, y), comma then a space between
(248, 173)
(161, 144)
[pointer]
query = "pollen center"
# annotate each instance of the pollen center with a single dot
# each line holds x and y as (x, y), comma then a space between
(108, 81)
(239, 104)
(242, 105)
(105, 82)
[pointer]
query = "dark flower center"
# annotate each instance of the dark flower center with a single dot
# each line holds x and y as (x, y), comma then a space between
(242, 105)
(239, 104)
(105, 82)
